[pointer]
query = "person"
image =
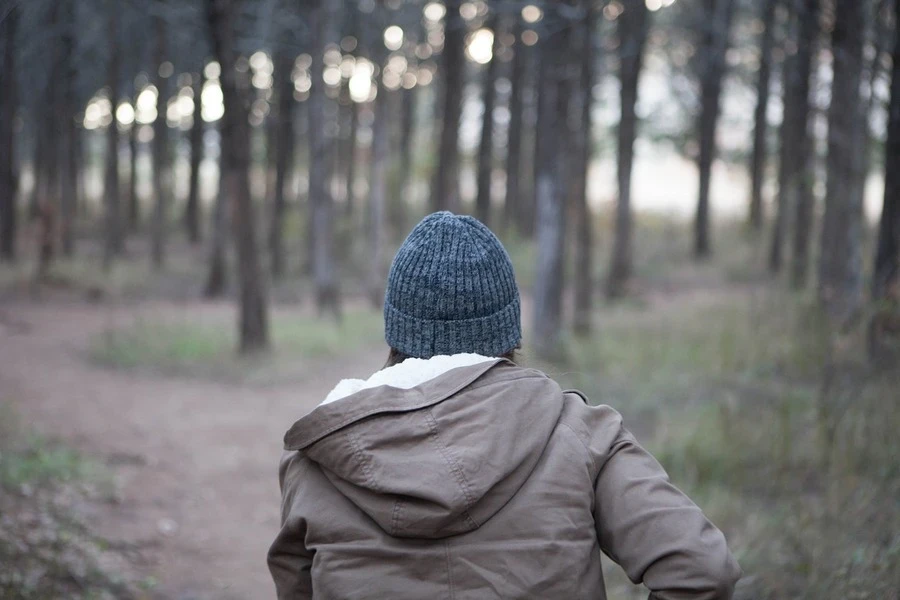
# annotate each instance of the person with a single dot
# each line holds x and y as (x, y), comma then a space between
(456, 473)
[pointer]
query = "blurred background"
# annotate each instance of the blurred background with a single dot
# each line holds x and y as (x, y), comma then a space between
(200, 199)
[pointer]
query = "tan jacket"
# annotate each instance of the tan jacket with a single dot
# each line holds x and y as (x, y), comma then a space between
(487, 481)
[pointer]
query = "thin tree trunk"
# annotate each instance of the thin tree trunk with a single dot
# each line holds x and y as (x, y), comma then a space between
(803, 195)
(8, 173)
(551, 225)
(253, 321)
(67, 138)
(192, 209)
(113, 246)
(407, 142)
(486, 145)
(714, 45)
(445, 195)
(886, 279)
(840, 267)
(160, 152)
(284, 159)
(758, 159)
(633, 35)
(512, 203)
(320, 201)
(375, 224)
(134, 203)
(350, 201)
(217, 276)
(584, 264)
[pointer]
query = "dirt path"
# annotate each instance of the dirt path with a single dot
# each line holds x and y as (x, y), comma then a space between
(195, 460)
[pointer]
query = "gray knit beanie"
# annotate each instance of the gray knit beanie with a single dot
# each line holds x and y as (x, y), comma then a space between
(451, 289)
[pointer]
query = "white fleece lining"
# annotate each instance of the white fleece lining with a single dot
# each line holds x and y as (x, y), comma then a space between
(408, 374)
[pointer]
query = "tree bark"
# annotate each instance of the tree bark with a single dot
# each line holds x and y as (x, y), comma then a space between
(840, 266)
(407, 143)
(217, 276)
(716, 27)
(886, 279)
(760, 128)
(253, 321)
(284, 159)
(113, 245)
(633, 26)
(486, 145)
(512, 204)
(378, 187)
(8, 173)
(160, 152)
(551, 222)
(445, 195)
(803, 159)
(320, 201)
(583, 141)
(192, 209)
(134, 203)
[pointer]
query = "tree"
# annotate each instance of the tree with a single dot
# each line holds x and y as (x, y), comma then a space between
(253, 321)
(320, 201)
(8, 100)
(217, 275)
(445, 195)
(68, 136)
(513, 208)
(134, 203)
(284, 157)
(551, 222)
(840, 263)
(802, 160)
(632, 41)
(113, 244)
(378, 181)
(584, 281)
(192, 209)
(764, 75)
(486, 145)
(160, 146)
(886, 279)
(716, 28)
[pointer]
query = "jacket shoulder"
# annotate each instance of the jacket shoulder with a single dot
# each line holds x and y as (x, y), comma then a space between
(598, 428)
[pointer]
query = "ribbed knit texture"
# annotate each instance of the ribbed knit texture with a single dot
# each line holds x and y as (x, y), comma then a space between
(451, 289)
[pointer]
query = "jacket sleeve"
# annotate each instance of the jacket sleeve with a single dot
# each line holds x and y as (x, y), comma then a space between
(649, 527)
(289, 560)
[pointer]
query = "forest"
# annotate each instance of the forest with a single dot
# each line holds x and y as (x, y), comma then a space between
(200, 200)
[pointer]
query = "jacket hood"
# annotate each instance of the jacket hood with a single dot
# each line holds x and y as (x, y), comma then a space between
(432, 448)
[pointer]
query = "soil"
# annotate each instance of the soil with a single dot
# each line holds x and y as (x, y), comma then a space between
(194, 461)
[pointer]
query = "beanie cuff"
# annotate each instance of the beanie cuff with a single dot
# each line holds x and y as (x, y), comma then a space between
(424, 338)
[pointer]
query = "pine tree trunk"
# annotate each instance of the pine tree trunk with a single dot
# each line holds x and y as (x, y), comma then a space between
(840, 267)
(633, 35)
(160, 153)
(716, 28)
(803, 159)
(407, 142)
(760, 128)
(8, 101)
(192, 209)
(113, 246)
(886, 279)
(320, 201)
(284, 159)
(253, 322)
(512, 203)
(584, 264)
(550, 192)
(445, 195)
(134, 203)
(486, 145)
(350, 201)
(217, 276)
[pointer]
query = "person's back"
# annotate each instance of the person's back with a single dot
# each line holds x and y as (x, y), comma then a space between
(455, 473)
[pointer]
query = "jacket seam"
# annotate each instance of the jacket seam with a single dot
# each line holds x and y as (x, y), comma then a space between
(363, 462)
(395, 516)
(449, 568)
(454, 467)
(585, 446)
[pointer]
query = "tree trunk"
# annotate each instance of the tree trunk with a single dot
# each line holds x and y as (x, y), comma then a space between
(8, 174)
(445, 195)
(512, 203)
(633, 39)
(840, 266)
(803, 159)
(217, 276)
(320, 201)
(407, 143)
(886, 279)
(758, 158)
(584, 264)
(192, 210)
(160, 152)
(253, 322)
(134, 203)
(551, 225)
(716, 27)
(378, 187)
(350, 201)
(67, 137)
(113, 246)
(486, 145)
(284, 160)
